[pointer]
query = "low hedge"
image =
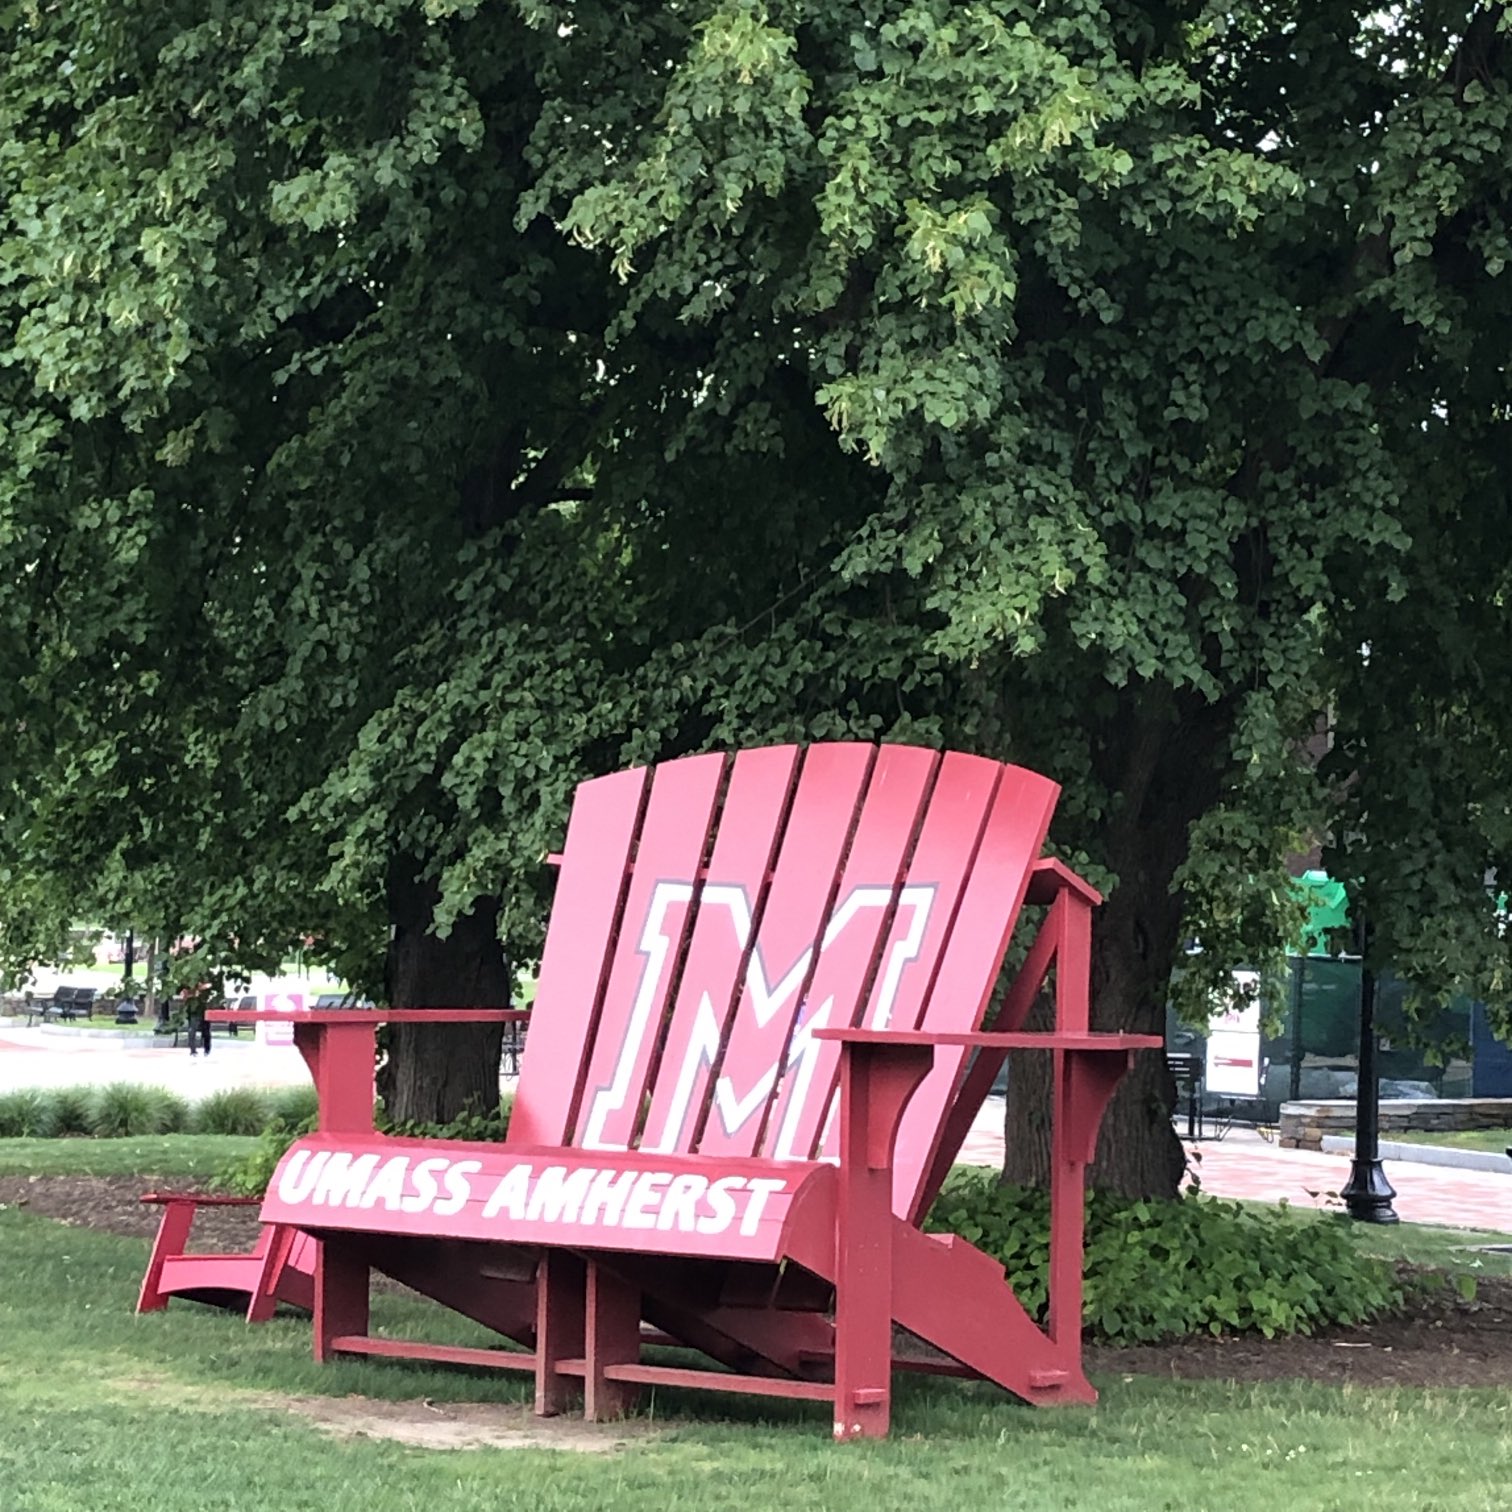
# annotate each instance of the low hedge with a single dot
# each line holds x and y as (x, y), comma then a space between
(125, 1110)
(250, 1175)
(1166, 1269)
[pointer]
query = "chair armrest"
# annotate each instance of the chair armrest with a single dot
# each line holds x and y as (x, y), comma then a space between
(367, 1015)
(1050, 877)
(200, 1199)
(1088, 1040)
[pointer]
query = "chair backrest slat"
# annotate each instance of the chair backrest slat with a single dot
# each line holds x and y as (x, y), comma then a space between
(989, 908)
(719, 948)
(931, 887)
(658, 913)
(867, 939)
(585, 920)
(804, 881)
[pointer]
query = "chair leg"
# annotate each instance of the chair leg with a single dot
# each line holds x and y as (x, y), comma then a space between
(612, 1337)
(172, 1236)
(273, 1246)
(863, 1306)
(561, 1285)
(341, 1297)
(875, 1085)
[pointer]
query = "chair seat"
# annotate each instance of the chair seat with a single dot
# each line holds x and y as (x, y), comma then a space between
(516, 1194)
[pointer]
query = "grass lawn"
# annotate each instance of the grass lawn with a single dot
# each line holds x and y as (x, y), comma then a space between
(1494, 1140)
(199, 1155)
(187, 1411)
(1460, 1251)
(181, 1412)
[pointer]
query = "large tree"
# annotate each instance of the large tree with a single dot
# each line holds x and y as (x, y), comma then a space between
(414, 406)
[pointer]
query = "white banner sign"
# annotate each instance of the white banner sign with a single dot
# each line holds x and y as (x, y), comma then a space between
(1233, 1046)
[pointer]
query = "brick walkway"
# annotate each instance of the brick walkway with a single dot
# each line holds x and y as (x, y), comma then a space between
(1244, 1165)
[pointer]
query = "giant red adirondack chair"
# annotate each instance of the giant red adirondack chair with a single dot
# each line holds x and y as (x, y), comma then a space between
(755, 1050)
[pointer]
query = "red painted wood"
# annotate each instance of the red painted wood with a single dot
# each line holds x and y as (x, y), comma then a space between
(947, 840)
(342, 1281)
(508, 1194)
(658, 914)
(804, 882)
(611, 1343)
(561, 1301)
(652, 994)
(172, 1236)
(711, 1380)
(442, 1354)
(342, 1058)
(958, 1299)
(989, 906)
(1082, 1085)
(574, 964)
(1073, 965)
(367, 1015)
(977, 1081)
(876, 1082)
(868, 937)
(719, 947)
(279, 1267)
(199, 1199)
(1051, 877)
(1092, 1041)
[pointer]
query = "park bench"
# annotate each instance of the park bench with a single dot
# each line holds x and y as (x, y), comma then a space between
(755, 1050)
(65, 1003)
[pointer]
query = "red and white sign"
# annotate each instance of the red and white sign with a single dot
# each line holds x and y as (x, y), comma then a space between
(1233, 1046)
(275, 1033)
(561, 1197)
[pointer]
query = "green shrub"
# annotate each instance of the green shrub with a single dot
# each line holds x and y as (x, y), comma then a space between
(124, 1109)
(1159, 1270)
(292, 1108)
(250, 1175)
(26, 1114)
(72, 1112)
(174, 1115)
(472, 1125)
(236, 1110)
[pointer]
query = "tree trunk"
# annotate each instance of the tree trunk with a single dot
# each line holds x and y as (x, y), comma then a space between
(1138, 1152)
(1164, 762)
(434, 1074)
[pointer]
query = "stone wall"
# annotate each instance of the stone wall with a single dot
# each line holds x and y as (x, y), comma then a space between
(1303, 1124)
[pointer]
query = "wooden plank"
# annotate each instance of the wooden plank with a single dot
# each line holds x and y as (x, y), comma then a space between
(989, 907)
(868, 937)
(785, 955)
(714, 964)
(1089, 1041)
(658, 914)
(367, 1015)
(584, 919)
(442, 1354)
(948, 836)
(708, 1380)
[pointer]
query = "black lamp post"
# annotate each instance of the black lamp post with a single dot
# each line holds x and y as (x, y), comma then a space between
(1367, 1194)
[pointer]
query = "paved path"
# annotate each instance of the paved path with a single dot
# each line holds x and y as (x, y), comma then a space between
(1240, 1165)
(52, 1056)
(1244, 1165)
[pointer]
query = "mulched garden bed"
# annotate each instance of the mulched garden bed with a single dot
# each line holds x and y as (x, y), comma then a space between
(1439, 1339)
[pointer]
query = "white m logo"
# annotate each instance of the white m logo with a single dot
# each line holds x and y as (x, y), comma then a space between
(767, 998)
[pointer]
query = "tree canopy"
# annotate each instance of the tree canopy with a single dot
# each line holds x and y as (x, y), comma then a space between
(412, 406)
